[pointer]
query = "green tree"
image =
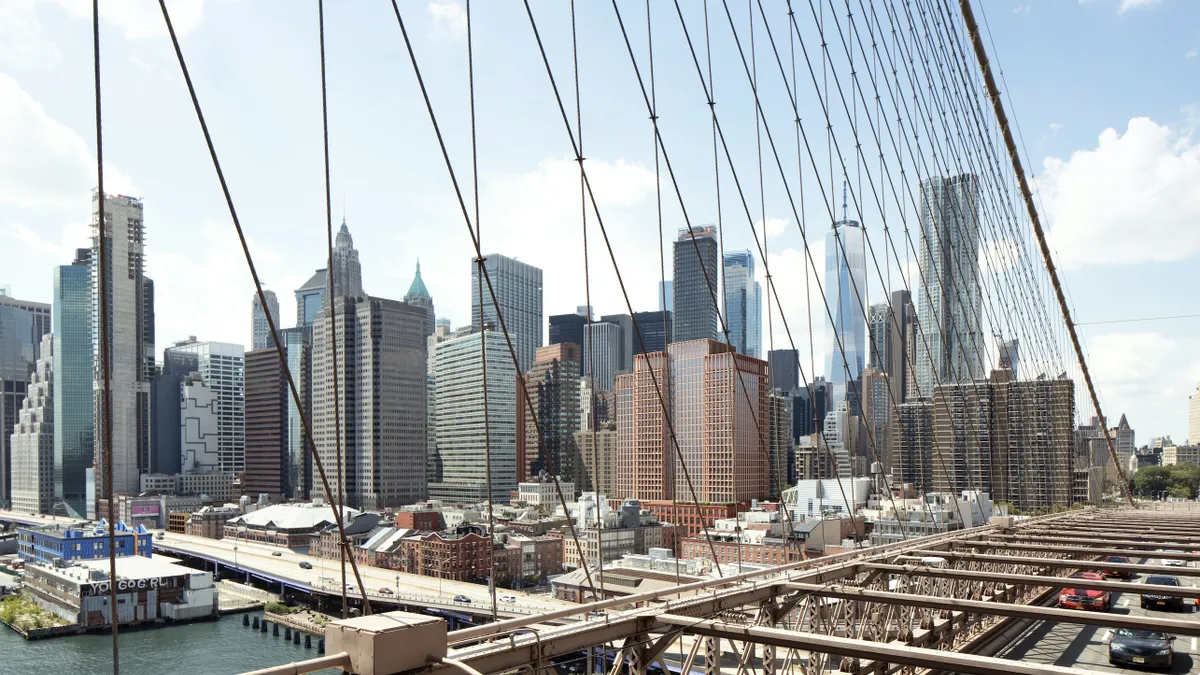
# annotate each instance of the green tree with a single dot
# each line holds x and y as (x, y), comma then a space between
(1151, 480)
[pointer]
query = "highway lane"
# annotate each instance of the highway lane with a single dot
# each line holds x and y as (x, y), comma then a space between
(326, 574)
(1087, 646)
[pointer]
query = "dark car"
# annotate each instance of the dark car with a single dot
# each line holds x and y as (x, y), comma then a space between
(277, 553)
(462, 599)
(304, 564)
(1118, 574)
(1152, 599)
(1141, 648)
(1085, 598)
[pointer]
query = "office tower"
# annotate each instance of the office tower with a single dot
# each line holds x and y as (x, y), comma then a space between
(347, 273)
(950, 311)
(1193, 417)
(601, 352)
(845, 284)
(785, 369)
(463, 443)
(724, 441)
(1012, 439)
(876, 417)
(73, 368)
(260, 330)
(1123, 439)
(22, 325)
(1010, 356)
(902, 316)
(598, 451)
(299, 479)
(781, 444)
(743, 303)
(879, 336)
(222, 367)
(418, 296)
(381, 401)
(33, 439)
(695, 284)
(130, 344)
(166, 390)
(267, 460)
(567, 328)
(625, 341)
(913, 446)
(552, 387)
(518, 288)
(666, 297)
(655, 329)
(433, 464)
(199, 426)
(310, 297)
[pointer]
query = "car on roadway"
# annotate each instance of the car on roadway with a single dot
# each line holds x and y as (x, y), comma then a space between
(1148, 648)
(1152, 599)
(462, 599)
(277, 554)
(1118, 574)
(1173, 562)
(508, 598)
(384, 590)
(305, 565)
(1085, 598)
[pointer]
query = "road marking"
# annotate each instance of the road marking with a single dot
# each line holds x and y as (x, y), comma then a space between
(1124, 602)
(1193, 644)
(1108, 634)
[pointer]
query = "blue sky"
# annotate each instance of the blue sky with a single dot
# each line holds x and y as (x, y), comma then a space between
(1105, 92)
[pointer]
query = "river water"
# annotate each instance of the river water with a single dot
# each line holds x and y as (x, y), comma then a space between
(205, 648)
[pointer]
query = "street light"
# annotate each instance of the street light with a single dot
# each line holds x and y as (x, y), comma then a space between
(397, 585)
(235, 560)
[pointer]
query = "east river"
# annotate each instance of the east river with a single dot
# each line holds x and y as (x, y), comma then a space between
(218, 647)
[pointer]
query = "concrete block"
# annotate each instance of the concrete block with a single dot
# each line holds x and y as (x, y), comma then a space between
(386, 643)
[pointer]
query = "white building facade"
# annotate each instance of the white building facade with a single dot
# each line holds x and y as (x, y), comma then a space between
(33, 440)
(222, 367)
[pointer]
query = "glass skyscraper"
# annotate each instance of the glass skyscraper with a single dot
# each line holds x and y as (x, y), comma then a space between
(310, 298)
(743, 303)
(694, 304)
(845, 283)
(74, 431)
(518, 289)
(260, 330)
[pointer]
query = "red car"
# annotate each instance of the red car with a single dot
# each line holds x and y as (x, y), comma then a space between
(1118, 574)
(1082, 598)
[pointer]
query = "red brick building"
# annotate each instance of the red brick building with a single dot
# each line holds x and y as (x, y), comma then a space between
(428, 521)
(689, 520)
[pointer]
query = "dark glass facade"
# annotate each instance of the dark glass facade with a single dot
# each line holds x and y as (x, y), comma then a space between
(73, 423)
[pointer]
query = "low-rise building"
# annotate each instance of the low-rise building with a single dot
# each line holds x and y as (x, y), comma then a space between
(1180, 454)
(429, 520)
(148, 590)
(294, 526)
(617, 581)
(932, 513)
(542, 492)
(761, 537)
(220, 486)
(607, 535)
(688, 519)
(70, 543)
(210, 521)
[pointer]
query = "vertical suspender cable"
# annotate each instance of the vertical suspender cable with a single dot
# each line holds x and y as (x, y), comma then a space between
(103, 286)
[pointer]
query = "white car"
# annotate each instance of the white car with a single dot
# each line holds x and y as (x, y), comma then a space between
(1173, 562)
(508, 598)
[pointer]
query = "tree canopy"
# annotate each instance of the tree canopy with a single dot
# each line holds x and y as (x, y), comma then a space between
(1177, 480)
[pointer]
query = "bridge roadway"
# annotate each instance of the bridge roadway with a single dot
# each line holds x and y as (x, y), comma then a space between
(260, 560)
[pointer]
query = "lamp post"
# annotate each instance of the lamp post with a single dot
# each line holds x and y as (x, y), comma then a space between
(397, 585)
(235, 560)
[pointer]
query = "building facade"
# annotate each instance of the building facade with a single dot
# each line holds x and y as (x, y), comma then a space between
(655, 329)
(418, 296)
(467, 431)
(130, 341)
(567, 328)
(80, 542)
(601, 353)
(310, 297)
(199, 427)
(347, 272)
(74, 443)
(913, 445)
(950, 310)
(22, 326)
(33, 440)
(518, 288)
(222, 368)
(695, 284)
(380, 385)
(551, 394)
(598, 452)
(267, 451)
(260, 330)
(299, 448)
(845, 293)
(743, 303)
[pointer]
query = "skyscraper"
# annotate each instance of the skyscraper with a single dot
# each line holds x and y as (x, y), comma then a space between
(845, 283)
(567, 328)
(130, 343)
(347, 272)
(260, 331)
(1194, 417)
(950, 310)
(310, 298)
(724, 442)
(518, 288)
(694, 303)
(552, 385)
(666, 297)
(22, 325)
(462, 440)
(433, 465)
(1010, 356)
(903, 317)
(655, 329)
(199, 424)
(601, 351)
(381, 401)
(625, 341)
(743, 303)
(267, 458)
(298, 341)
(879, 336)
(912, 444)
(785, 369)
(222, 368)
(33, 440)
(418, 296)
(73, 368)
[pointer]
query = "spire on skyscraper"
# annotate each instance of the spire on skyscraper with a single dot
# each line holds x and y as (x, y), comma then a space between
(417, 289)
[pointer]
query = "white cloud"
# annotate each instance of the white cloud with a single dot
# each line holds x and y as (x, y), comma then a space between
(1189, 54)
(775, 226)
(1023, 9)
(21, 40)
(448, 19)
(1134, 198)
(1127, 5)
(140, 18)
(1148, 376)
(803, 306)
(70, 238)
(43, 163)
(1055, 127)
